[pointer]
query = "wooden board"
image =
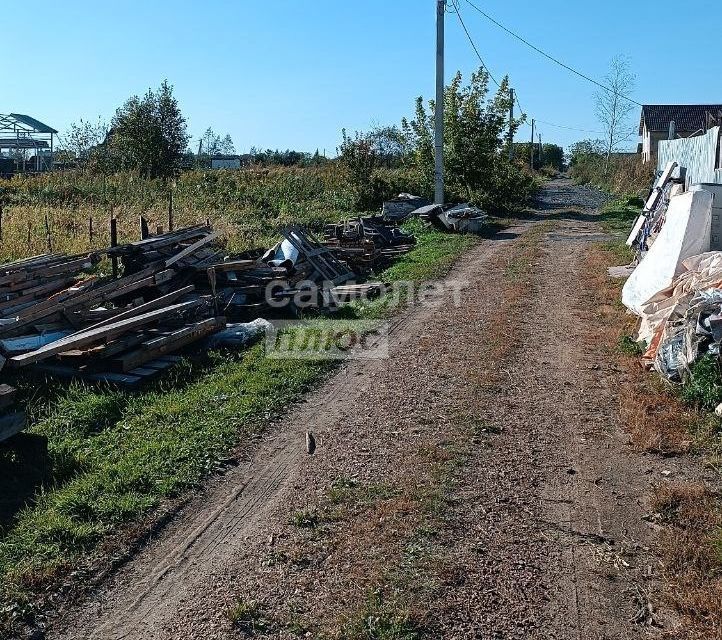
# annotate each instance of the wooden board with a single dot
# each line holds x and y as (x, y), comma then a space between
(152, 349)
(11, 425)
(191, 249)
(91, 336)
(7, 395)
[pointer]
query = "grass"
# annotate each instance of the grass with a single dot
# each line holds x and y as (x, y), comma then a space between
(248, 617)
(115, 456)
(703, 390)
(381, 619)
(668, 423)
(618, 216)
(692, 545)
(248, 207)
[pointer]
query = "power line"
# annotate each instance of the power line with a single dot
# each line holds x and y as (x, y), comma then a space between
(561, 126)
(471, 41)
(516, 93)
(552, 58)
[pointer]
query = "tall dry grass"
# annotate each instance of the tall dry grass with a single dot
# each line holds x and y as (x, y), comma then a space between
(248, 206)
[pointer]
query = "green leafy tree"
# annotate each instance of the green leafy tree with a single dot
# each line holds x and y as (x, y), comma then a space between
(83, 136)
(149, 134)
(226, 146)
(553, 156)
(475, 138)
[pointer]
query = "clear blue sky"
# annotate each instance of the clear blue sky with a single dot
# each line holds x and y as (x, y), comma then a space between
(292, 73)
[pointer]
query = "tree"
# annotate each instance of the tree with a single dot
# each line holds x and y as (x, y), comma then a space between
(553, 156)
(584, 150)
(149, 134)
(226, 145)
(613, 109)
(475, 134)
(210, 143)
(83, 136)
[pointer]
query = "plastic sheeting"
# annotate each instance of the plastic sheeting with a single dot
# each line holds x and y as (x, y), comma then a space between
(686, 233)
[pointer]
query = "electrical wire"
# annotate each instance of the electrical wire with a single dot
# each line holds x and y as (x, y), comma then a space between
(516, 93)
(471, 41)
(561, 126)
(552, 58)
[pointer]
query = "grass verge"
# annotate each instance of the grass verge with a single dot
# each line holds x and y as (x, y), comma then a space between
(115, 456)
(668, 422)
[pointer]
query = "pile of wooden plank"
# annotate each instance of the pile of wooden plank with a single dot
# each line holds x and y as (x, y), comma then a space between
(60, 316)
(368, 243)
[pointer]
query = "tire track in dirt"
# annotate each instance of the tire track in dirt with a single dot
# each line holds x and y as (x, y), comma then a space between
(234, 513)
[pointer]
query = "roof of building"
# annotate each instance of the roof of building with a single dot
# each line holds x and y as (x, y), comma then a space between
(31, 122)
(686, 117)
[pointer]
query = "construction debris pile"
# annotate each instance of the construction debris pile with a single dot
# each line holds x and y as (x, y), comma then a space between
(458, 218)
(58, 318)
(676, 285)
(368, 244)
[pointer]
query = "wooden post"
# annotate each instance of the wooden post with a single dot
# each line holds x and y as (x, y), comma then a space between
(114, 243)
(144, 233)
(90, 229)
(1, 220)
(533, 122)
(170, 211)
(48, 237)
(211, 271)
(159, 230)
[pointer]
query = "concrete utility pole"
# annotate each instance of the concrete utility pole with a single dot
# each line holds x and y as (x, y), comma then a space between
(533, 122)
(511, 125)
(439, 125)
(672, 130)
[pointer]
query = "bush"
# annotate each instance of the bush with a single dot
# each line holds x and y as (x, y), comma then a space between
(622, 174)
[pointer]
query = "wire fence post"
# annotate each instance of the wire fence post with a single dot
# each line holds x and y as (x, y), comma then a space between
(114, 243)
(170, 210)
(90, 230)
(144, 233)
(48, 236)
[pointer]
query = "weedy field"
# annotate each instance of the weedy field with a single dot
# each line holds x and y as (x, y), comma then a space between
(248, 206)
(114, 456)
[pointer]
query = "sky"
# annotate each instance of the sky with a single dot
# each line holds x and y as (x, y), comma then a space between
(293, 73)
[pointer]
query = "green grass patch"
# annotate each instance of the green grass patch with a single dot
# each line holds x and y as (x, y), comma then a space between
(629, 347)
(617, 217)
(704, 388)
(431, 259)
(381, 619)
(248, 617)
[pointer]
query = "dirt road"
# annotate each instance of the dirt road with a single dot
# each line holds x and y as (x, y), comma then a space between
(475, 484)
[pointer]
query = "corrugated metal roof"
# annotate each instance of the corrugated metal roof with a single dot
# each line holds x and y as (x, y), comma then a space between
(33, 123)
(687, 117)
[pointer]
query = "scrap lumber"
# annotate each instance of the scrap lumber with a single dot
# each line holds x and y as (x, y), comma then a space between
(158, 303)
(106, 332)
(320, 257)
(191, 249)
(7, 395)
(11, 425)
(153, 349)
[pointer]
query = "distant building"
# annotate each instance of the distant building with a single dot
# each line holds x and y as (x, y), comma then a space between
(225, 162)
(27, 142)
(689, 120)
